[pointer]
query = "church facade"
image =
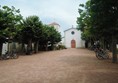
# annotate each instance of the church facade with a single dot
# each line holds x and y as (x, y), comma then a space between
(72, 38)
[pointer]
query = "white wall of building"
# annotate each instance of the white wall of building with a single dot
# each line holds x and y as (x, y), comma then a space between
(56, 27)
(4, 48)
(76, 36)
(62, 40)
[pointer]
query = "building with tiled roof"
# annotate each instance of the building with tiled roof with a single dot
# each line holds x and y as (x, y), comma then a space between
(55, 25)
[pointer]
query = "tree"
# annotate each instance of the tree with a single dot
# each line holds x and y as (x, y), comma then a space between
(9, 18)
(50, 36)
(84, 23)
(98, 20)
(54, 37)
(31, 32)
(104, 19)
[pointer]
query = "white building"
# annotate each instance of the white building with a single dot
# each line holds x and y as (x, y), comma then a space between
(72, 38)
(4, 48)
(55, 25)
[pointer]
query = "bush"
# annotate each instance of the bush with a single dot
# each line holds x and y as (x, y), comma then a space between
(59, 47)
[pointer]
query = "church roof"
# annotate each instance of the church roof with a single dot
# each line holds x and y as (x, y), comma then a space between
(54, 23)
(70, 29)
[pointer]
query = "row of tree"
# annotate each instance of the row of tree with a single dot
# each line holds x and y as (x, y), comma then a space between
(98, 20)
(28, 31)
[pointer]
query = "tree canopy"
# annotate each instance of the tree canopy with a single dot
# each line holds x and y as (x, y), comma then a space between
(27, 30)
(98, 21)
(9, 18)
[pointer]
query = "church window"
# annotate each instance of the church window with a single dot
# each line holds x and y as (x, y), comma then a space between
(72, 32)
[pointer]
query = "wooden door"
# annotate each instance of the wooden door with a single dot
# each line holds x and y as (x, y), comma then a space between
(73, 44)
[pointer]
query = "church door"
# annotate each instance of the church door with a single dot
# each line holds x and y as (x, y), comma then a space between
(73, 43)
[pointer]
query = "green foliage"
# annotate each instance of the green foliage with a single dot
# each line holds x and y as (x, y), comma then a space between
(104, 16)
(50, 35)
(98, 20)
(26, 31)
(31, 28)
(9, 18)
(55, 36)
(84, 22)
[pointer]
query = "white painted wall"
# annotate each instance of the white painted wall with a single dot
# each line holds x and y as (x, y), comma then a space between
(4, 48)
(62, 40)
(76, 36)
(57, 28)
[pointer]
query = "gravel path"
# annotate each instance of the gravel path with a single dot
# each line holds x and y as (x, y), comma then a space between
(64, 66)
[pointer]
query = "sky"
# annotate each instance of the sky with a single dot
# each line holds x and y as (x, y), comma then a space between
(63, 12)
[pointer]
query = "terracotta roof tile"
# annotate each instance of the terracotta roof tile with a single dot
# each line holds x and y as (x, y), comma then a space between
(54, 23)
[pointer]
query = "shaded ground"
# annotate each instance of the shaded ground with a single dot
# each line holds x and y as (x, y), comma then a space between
(65, 66)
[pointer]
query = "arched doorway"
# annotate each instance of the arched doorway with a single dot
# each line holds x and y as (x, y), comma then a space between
(73, 44)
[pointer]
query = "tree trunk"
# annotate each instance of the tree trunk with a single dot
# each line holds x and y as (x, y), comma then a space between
(8, 47)
(36, 45)
(110, 47)
(46, 47)
(114, 50)
(104, 44)
(86, 44)
(52, 46)
(22, 49)
(29, 47)
(1, 44)
(107, 46)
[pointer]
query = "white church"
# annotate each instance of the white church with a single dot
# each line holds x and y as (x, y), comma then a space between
(72, 37)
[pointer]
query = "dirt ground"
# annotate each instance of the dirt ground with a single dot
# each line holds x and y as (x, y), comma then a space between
(63, 66)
